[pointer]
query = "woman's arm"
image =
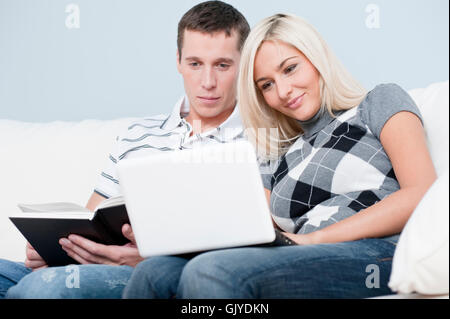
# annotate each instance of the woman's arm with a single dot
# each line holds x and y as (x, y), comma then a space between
(268, 194)
(403, 139)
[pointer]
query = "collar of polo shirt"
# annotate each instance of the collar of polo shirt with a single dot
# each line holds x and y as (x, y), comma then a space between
(230, 129)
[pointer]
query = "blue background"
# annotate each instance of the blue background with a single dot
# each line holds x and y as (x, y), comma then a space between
(121, 61)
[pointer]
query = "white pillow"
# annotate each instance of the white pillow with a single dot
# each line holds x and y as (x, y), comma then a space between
(434, 105)
(421, 260)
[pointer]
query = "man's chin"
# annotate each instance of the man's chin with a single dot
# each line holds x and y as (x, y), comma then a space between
(211, 114)
(209, 111)
(207, 116)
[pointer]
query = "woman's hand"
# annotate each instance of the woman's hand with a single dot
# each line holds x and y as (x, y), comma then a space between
(86, 251)
(303, 239)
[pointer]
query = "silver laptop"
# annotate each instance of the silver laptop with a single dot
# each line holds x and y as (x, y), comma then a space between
(207, 198)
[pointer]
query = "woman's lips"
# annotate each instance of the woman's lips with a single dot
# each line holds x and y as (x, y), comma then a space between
(296, 102)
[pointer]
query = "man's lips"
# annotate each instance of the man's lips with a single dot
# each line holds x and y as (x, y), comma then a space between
(296, 102)
(207, 99)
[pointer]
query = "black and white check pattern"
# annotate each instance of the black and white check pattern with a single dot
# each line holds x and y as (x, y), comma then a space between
(338, 167)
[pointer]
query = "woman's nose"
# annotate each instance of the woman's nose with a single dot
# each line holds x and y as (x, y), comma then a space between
(284, 88)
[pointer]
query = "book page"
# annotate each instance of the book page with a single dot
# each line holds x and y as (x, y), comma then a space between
(54, 215)
(111, 202)
(52, 207)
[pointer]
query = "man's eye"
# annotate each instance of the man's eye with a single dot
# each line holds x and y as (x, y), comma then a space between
(194, 64)
(223, 66)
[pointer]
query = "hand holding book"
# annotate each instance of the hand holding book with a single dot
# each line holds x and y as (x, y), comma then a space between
(43, 225)
(33, 259)
(85, 251)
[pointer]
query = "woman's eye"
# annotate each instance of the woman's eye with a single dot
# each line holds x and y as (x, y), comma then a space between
(290, 68)
(266, 86)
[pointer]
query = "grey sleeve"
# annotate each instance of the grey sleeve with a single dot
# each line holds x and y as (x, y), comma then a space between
(383, 102)
(266, 171)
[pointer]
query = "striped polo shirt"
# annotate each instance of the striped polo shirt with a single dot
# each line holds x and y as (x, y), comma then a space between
(162, 133)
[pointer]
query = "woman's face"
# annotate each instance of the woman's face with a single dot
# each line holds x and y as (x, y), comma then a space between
(287, 80)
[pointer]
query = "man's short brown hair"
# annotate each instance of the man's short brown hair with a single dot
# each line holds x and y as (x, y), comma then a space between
(211, 17)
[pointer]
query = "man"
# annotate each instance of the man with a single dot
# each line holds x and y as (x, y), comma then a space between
(210, 38)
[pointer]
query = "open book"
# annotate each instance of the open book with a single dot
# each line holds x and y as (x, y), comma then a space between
(43, 225)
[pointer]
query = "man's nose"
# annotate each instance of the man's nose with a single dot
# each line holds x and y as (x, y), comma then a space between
(209, 80)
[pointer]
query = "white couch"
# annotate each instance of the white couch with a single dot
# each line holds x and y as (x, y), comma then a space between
(61, 161)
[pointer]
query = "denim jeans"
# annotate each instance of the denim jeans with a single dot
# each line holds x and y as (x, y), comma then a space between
(73, 281)
(358, 269)
(10, 274)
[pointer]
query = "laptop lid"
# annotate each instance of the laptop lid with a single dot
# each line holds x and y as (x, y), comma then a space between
(210, 197)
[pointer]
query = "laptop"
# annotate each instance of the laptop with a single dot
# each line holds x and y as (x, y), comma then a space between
(210, 197)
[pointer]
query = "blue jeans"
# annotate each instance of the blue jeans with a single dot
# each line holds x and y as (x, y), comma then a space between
(10, 274)
(358, 269)
(73, 281)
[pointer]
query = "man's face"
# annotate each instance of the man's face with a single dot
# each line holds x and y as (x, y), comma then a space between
(209, 66)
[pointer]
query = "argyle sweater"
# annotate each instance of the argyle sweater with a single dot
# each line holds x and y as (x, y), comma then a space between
(338, 167)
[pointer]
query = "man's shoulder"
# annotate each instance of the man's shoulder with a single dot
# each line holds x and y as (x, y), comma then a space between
(141, 131)
(138, 125)
(148, 121)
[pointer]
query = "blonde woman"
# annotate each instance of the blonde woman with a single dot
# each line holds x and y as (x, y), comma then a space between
(350, 167)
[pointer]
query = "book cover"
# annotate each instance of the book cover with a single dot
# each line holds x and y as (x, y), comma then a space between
(43, 225)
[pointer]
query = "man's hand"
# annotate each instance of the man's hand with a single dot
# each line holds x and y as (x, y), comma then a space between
(33, 259)
(86, 251)
(127, 231)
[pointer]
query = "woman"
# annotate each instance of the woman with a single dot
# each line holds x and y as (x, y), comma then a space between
(349, 169)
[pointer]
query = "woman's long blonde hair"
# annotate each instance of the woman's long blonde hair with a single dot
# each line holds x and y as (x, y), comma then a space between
(339, 90)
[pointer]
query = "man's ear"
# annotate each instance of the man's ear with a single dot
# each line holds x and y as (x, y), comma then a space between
(178, 61)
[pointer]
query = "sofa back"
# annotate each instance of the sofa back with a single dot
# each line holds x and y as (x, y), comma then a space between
(433, 103)
(52, 162)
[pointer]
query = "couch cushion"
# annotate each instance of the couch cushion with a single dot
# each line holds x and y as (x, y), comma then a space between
(433, 103)
(421, 260)
(52, 162)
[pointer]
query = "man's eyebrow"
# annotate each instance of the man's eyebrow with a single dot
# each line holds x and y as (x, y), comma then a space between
(219, 60)
(278, 68)
(191, 58)
(226, 60)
